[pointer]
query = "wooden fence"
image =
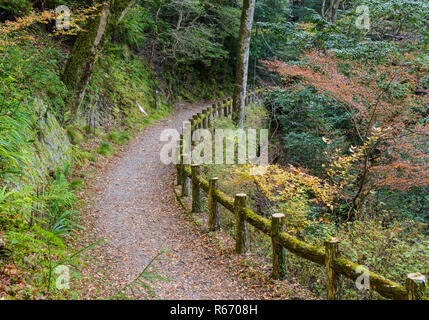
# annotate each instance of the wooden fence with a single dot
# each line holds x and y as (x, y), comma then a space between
(188, 176)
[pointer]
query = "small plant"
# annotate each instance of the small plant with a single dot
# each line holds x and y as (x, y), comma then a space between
(75, 136)
(141, 287)
(60, 199)
(105, 149)
(120, 138)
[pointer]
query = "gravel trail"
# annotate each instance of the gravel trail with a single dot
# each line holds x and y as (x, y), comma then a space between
(136, 212)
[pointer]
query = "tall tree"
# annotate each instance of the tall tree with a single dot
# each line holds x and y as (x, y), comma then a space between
(240, 88)
(80, 65)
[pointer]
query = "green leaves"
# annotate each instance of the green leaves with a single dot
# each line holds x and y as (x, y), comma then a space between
(141, 286)
(305, 118)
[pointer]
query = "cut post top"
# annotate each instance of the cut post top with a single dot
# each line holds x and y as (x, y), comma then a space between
(417, 277)
(278, 215)
(332, 240)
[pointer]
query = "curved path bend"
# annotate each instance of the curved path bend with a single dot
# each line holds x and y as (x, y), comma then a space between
(137, 214)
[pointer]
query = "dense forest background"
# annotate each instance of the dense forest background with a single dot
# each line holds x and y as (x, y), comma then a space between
(347, 107)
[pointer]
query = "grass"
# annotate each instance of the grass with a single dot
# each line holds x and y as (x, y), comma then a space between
(120, 138)
(106, 149)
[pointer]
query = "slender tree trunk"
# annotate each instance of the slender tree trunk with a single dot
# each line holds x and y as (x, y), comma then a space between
(156, 34)
(322, 11)
(243, 61)
(80, 65)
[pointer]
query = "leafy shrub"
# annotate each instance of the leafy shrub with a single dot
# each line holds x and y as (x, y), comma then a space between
(60, 199)
(305, 119)
(133, 27)
(120, 138)
(105, 149)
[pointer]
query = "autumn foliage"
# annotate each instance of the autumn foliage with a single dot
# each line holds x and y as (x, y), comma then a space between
(10, 30)
(387, 116)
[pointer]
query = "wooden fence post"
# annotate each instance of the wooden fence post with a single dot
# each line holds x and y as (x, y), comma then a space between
(241, 230)
(206, 119)
(214, 113)
(214, 208)
(193, 128)
(332, 280)
(277, 224)
(180, 161)
(416, 286)
(200, 124)
(186, 184)
(210, 116)
(196, 191)
(224, 110)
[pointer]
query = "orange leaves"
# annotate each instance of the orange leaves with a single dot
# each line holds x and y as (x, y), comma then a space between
(361, 90)
(386, 115)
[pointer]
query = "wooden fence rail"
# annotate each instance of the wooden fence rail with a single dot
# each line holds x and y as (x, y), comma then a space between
(328, 256)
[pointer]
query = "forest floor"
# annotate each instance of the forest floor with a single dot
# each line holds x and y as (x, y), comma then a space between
(130, 203)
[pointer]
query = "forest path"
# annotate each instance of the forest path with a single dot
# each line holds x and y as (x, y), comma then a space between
(136, 212)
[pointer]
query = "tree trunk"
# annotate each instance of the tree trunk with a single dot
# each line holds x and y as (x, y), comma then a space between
(80, 65)
(243, 61)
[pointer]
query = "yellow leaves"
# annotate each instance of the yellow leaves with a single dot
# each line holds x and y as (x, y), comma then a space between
(286, 184)
(10, 28)
(307, 26)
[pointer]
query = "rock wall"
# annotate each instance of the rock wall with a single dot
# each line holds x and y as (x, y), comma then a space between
(51, 148)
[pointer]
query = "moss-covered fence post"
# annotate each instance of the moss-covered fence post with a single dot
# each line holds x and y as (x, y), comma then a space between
(180, 160)
(210, 116)
(214, 208)
(332, 280)
(186, 183)
(215, 111)
(206, 119)
(416, 286)
(277, 225)
(195, 118)
(225, 109)
(229, 110)
(192, 129)
(241, 229)
(196, 191)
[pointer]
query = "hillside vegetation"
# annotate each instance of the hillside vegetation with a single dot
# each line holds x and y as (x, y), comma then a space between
(346, 105)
